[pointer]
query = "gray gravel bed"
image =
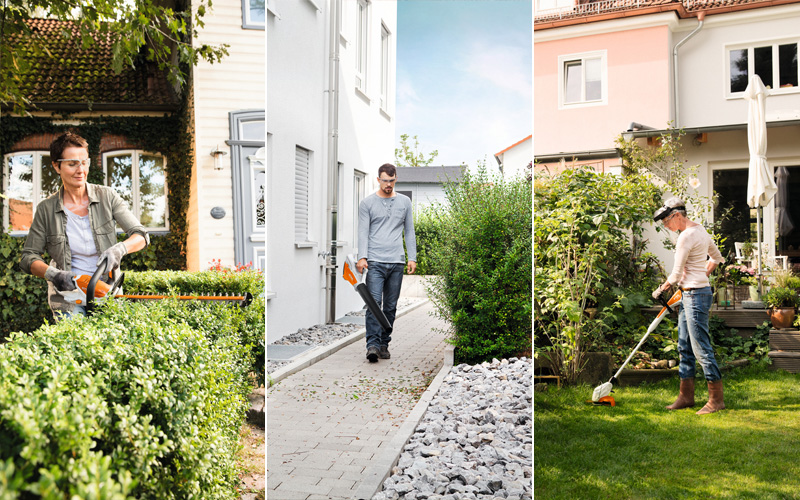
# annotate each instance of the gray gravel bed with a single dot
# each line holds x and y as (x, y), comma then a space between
(324, 334)
(475, 441)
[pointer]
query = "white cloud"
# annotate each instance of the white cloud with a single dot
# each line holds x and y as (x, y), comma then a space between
(504, 66)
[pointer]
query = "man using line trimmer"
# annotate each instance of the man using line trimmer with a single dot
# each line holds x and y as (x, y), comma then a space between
(690, 272)
(384, 218)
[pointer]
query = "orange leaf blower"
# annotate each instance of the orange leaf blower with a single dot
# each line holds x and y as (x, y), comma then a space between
(355, 278)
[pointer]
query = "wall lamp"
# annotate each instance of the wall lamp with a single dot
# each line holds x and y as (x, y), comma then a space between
(218, 154)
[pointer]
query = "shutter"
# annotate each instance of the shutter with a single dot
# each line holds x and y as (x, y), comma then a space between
(301, 171)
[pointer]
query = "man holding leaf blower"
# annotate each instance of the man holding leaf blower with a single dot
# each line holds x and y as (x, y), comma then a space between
(384, 218)
(690, 272)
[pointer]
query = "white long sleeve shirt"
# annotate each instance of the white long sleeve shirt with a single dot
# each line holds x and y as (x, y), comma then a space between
(694, 245)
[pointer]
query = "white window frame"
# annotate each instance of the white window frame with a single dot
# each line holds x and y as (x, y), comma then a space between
(248, 23)
(386, 55)
(136, 209)
(36, 180)
(750, 46)
(359, 193)
(362, 44)
(562, 79)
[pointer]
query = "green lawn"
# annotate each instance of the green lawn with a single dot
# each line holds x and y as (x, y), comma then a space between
(639, 450)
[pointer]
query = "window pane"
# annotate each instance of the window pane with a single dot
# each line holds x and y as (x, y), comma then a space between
(762, 58)
(152, 200)
(738, 70)
(51, 182)
(572, 87)
(121, 179)
(253, 130)
(787, 65)
(20, 192)
(259, 208)
(257, 12)
(594, 83)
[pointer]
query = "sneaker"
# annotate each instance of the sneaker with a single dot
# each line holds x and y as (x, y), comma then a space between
(372, 354)
(384, 352)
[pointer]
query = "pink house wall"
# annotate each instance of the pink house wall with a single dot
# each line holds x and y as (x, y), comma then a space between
(638, 90)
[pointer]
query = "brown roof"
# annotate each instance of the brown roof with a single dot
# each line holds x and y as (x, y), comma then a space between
(601, 10)
(71, 77)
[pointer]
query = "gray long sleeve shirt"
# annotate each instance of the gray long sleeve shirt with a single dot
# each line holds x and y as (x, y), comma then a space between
(382, 222)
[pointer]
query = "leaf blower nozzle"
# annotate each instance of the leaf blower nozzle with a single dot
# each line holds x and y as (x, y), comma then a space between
(355, 278)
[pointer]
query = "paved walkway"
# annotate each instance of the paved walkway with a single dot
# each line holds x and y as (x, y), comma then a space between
(328, 423)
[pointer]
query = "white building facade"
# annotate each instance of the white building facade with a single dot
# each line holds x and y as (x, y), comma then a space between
(326, 137)
(226, 209)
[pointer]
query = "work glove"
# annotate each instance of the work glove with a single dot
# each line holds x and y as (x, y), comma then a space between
(657, 292)
(62, 280)
(113, 256)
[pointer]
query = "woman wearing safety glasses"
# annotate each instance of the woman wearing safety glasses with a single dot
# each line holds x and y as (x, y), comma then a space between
(696, 257)
(77, 227)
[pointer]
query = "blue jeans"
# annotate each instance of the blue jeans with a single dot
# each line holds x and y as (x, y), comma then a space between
(694, 342)
(383, 282)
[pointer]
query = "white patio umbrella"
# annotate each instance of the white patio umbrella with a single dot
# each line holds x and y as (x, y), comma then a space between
(760, 182)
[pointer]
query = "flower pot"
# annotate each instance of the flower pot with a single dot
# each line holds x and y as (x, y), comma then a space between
(753, 289)
(782, 317)
(722, 296)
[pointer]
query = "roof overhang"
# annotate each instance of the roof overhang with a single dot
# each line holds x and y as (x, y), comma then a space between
(599, 154)
(648, 132)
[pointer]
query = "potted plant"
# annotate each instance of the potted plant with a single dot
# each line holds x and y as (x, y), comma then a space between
(782, 303)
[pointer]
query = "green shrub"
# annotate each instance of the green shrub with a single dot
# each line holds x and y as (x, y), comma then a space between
(129, 403)
(428, 232)
(23, 297)
(484, 269)
(250, 321)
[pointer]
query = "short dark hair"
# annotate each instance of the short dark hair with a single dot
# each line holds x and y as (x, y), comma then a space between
(390, 170)
(66, 140)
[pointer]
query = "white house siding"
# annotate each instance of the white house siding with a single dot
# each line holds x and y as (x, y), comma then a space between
(423, 194)
(297, 115)
(702, 64)
(516, 159)
(235, 84)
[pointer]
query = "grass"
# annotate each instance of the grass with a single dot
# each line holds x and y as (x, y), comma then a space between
(639, 450)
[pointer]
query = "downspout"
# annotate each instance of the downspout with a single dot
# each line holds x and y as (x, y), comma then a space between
(333, 164)
(700, 17)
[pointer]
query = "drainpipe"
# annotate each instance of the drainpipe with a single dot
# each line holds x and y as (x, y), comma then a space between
(700, 17)
(333, 164)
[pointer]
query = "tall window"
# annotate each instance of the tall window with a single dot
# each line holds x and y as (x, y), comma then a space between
(362, 38)
(385, 52)
(359, 188)
(302, 166)
(28, 178)
(582, 79)
(139, 178)
(254, 14)
(774, 63)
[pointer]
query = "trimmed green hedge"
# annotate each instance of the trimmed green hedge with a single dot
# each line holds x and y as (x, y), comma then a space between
(133, 402)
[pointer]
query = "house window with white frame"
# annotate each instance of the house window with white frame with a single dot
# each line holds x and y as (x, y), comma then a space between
(28, 178)
(359, 190)
(254, 14)
(582, 79)
(774, 62)
(140, 180)
(385, 66)
(362, 43)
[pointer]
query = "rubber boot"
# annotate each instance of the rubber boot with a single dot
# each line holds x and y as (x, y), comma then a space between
(715, 399)
(686, 395)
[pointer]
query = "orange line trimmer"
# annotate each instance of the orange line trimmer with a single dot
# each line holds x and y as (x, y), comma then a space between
(356, 279)
(601, 394)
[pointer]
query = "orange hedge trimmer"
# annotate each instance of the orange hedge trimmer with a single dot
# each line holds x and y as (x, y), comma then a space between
(601, 394)
(92, 289)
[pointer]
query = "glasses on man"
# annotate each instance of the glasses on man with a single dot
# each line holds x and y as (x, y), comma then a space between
(75, 163)
(388, 181)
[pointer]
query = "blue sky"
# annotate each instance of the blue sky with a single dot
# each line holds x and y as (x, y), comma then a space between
(464, 83)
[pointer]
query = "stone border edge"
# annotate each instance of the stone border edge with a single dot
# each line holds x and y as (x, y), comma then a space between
(321, 352)
(388, 458)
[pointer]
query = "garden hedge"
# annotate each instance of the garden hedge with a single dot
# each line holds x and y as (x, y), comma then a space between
(133, 402)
